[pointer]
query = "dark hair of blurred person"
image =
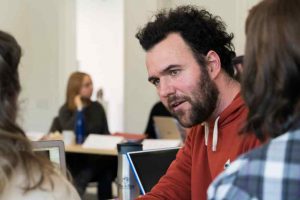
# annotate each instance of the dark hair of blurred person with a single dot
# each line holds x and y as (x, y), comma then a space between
(238, 66)
(10, 54)
(272, 68)
(23, 174)
(270, 85)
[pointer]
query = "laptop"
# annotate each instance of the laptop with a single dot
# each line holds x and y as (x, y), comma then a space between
(53, 150)
(150, 165)
(168, 128)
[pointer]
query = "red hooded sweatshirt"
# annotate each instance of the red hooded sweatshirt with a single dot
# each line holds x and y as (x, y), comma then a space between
(208, 149)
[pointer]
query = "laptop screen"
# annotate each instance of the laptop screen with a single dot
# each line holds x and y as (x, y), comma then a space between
(149, 166)
(53, 150)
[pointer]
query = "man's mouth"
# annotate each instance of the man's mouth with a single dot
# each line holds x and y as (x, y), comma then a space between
(175, 104)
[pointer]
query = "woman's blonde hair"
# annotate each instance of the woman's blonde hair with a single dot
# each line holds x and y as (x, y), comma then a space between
(16, 152)
(73, 88)
(15, 149)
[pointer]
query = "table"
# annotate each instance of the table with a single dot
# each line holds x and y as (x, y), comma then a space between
(76, 148)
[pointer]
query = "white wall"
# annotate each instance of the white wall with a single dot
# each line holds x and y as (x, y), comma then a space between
(37, 26)
(139, 94)
(100, 52)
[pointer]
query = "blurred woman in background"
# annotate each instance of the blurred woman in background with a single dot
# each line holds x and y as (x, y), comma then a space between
(23, 174)
(86, 168)
(78, 98)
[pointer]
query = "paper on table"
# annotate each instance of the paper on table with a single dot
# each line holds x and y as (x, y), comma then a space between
(160, 143)
(96, 141)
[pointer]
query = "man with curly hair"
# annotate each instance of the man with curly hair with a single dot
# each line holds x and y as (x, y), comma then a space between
(189, 61)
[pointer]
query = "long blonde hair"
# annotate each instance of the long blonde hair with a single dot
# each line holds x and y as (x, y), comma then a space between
(15, 148)
(73, 88)
(16, 152)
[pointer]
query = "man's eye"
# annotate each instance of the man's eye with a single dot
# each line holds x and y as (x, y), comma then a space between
(155, 82)
(174, 72)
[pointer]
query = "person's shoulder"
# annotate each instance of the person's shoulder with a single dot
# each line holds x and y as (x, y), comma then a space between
(63, 107)
(226, 185)
(265, 153)
(55, 186)
(238, 180)
(95, 105)
(63, 189)
(274, 147)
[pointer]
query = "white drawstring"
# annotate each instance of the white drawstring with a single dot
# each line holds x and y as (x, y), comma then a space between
(206, 132)
(215, 135)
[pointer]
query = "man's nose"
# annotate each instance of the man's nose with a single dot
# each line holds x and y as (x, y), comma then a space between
(166, 88)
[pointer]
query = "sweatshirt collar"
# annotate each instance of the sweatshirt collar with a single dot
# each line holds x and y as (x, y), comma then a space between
(227, 116)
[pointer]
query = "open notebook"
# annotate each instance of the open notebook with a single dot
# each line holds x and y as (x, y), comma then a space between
(150, 165)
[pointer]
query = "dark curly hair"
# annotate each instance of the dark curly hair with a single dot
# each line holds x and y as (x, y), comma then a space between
(10, 54)
(200, 30)
(271, 76)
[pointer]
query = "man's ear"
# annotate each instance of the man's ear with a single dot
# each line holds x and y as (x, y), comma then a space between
(213, 64)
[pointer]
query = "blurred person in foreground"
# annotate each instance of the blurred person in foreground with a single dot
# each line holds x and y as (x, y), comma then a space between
(23, 174)
(238, 67)
(189, 61)
(270, 86)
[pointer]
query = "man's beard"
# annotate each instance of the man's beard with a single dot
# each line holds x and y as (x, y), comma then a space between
(203, 102)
